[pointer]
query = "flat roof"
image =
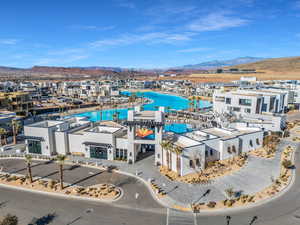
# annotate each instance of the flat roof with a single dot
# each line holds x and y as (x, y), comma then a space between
(104, 129)
(185, 142)
(47, 123)
(145, 114)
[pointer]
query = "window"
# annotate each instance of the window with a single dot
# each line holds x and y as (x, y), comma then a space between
(247, 110)
(251, 143)
(220, 99)
(211, 152)
(233, 149)
(229, 149)
(236, 109)
(198, 162)
(206, 153)
(246, 102)
(158, 156)
(192, 164)
(228, 101)
(257, 141)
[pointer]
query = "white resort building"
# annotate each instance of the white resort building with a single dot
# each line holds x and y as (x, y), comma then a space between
(140, 135)
(260, 108)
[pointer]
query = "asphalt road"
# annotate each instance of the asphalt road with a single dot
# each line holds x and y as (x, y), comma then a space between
(85, 176)
(27, 206)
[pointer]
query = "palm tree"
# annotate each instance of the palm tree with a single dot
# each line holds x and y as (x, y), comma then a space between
(3, 132)
(101, 108)
(192, 103)
(28, 159)
(198, 99)
(61, 160)
(16, 126)
(178, 151)
(164, 145)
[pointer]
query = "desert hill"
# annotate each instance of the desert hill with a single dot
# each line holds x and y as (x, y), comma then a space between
(290, 64)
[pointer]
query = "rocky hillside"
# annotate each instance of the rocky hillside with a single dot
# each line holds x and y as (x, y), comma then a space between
(290, 64)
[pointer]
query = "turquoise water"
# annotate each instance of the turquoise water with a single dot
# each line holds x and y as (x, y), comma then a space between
(158, 99)
(172, 101)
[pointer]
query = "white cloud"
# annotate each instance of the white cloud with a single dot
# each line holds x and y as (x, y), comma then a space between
(153, 37)
(216, 21)
(48, 61)
(8, 41)
(193, 50)
(91, 27)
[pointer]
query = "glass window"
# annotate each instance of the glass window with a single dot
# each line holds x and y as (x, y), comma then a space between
(192, 164)
(247, 102)
(247, 110)
(34, 147)
(251, 143)
(211, 152)
(198, 162)
(228, 100)
(257, 141)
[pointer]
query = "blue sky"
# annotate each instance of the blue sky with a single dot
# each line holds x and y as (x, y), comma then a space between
(145, 33)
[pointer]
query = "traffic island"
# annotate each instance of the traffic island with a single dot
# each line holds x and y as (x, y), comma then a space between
(103, 192)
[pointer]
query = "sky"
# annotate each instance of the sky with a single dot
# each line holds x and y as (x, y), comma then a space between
(145, 33)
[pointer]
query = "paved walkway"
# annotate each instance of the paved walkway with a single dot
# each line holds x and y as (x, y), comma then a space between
(256, 175)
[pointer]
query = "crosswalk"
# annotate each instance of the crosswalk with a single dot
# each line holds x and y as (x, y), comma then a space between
(180, 218)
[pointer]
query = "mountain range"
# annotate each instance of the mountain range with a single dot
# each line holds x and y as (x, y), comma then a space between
(222, 63)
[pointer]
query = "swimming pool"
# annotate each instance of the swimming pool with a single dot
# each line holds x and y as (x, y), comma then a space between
(157, 99)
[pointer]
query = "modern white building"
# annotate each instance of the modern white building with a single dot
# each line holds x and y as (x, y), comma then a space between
(141, 134)
(243, 102)
(203, 146)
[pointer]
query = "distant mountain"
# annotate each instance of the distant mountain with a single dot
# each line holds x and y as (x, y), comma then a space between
(221, 63)
(7, 69)
(115, 69)
(287, 64)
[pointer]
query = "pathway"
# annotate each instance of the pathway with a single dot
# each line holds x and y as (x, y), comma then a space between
(253, 177)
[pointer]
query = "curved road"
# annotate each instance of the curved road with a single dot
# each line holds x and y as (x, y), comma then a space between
(285, 210)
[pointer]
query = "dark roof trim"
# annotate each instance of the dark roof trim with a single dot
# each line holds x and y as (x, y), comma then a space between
(97, 144)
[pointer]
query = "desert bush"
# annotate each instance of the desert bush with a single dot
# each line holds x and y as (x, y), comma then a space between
(211, 204)
(287, 164)
(9, 220)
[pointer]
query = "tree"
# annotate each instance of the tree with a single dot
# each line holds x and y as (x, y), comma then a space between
(164, 145)
(61, 160)
(198, 99)
(192, 102)
(9, 220)
(178, 150)
(3, 133)
(16, 126)
(28, 159)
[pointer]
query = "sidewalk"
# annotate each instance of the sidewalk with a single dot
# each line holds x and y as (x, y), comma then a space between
(253, 177)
